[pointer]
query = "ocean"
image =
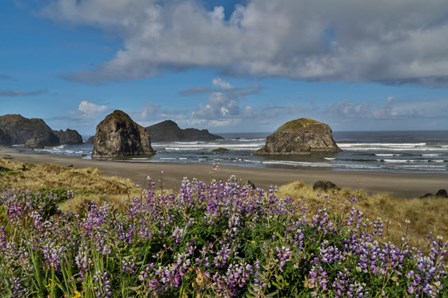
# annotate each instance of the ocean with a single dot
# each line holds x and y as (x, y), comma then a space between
(386, 151)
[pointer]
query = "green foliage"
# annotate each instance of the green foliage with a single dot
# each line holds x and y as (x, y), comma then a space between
(207, 240)
(297, 124)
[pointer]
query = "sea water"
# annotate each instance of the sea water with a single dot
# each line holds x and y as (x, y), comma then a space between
(409, 151)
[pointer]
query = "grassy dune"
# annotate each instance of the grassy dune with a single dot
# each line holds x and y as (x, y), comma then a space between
(211, 239)
(413, 218)
(86, 183)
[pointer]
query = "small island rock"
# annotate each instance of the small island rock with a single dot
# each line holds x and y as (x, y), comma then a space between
(220, 150)
(118, 135)
(68, 137)
(301, 136)
(90, 140)
(169, 131)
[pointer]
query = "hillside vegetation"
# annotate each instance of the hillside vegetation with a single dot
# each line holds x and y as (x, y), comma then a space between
(68, 232)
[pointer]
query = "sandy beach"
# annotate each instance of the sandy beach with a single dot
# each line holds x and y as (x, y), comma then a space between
(398, 184)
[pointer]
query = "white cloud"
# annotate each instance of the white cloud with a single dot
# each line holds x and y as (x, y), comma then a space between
(346, 109)
(219, 105)
(151, 110)
(218, 82)
(90, 109)
(389, 109)
(223, 105)
(391, 41)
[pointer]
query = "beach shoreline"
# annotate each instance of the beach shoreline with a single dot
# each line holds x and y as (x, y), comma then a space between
(169, 175)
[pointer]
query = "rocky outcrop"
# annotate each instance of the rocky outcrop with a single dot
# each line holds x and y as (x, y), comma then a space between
(90, 140)
(68, 137)
(301, 136)
(5, 139)
(169, 131)
(324, 185)
(441, 193)
(118, 135)
(35, 143)
(20, 129)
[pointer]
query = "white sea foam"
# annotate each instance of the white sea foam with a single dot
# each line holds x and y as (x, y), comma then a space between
(298, 163)
(233, 145)
(389, 147)
(394, 160)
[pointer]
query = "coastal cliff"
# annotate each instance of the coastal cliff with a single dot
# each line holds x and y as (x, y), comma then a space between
(20, 130)
(33, 132)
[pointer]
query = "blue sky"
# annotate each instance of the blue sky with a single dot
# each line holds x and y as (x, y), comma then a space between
(226, 65)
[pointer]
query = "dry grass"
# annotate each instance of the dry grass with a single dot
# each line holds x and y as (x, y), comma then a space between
(424, 215)
(86, 183)
(44, 176)
(412, 219)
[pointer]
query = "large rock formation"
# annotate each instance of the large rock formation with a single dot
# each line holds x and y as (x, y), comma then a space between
(20, 129)
(301, 136)
(68, 137)
(5, 139)
(169, 131)
(119, 135)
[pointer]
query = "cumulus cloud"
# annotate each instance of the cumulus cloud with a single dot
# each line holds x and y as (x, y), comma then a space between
(223, 105)
(218, 82)
(390, 41)
(150, 110)
(346, 109)
(388, 109)
(90, 110)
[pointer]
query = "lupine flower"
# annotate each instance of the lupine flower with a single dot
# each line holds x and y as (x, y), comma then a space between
(283, 255)
(237, 240)
(102, 287)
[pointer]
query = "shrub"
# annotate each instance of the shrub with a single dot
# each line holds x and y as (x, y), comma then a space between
(217, 239)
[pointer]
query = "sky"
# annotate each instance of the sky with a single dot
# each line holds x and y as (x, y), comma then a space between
(227, 65)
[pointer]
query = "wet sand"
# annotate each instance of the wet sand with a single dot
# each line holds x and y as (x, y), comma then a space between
(398, 184)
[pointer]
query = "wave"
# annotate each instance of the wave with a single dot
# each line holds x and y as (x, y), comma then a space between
(297, 163)
(391, 147)
(209, 147)
(345, 145)
(387, 154)
(407, 161)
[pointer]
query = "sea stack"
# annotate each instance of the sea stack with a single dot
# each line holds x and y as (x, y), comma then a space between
(301, 136)
(169, 131)
(68, 136)
(118, 135)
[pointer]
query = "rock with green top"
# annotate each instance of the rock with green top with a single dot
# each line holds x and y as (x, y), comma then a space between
(301, 136)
